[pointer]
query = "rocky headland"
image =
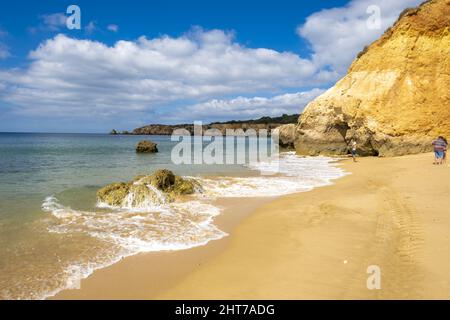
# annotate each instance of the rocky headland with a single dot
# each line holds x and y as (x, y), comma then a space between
(264, 123)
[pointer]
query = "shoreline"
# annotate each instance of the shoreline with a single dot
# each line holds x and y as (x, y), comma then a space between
(312, 245)
(164, 267)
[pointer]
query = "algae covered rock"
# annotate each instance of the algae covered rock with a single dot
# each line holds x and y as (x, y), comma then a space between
(141, 196)
(146, 146)
(162, 179)
(113, 194)
(144, 191)
(184, 186)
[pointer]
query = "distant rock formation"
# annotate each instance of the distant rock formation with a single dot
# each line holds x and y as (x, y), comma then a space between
(146, 146)
(395, 98)
(144, 191)
(267, 123)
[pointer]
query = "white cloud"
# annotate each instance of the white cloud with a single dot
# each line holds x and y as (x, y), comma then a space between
(71, 76)
(243, 107)
(337, 35)
(54, 21)
(113, 27)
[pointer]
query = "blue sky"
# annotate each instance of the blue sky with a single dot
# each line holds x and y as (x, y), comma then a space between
(138, 62)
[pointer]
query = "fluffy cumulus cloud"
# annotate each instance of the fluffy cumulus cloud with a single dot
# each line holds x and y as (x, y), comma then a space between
(337, 35)
(67, 76)
(243, 107)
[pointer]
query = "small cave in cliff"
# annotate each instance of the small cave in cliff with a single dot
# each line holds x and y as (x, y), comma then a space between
(372, 150)
(342, 128)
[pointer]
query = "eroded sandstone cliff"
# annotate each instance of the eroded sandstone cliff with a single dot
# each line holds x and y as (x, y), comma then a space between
(395, 97)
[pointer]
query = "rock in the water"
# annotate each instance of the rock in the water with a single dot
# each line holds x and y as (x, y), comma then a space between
(113, 194)
(161, 179)
(142, 196)
(162, 186)
(286, 135)
(184, 186)
(395, 98)
(146, 147)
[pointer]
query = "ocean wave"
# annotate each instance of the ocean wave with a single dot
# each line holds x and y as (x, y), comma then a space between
(175, 226)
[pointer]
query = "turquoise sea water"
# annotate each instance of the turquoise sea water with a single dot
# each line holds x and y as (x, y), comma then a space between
(52, 233)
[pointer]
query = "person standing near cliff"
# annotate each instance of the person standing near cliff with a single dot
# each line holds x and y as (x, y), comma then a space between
(354, 154)
(440, 149)
(445, 151)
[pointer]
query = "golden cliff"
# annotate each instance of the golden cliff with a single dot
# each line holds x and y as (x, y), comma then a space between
(396, 95)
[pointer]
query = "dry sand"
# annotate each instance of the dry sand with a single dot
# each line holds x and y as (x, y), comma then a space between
(390, 212)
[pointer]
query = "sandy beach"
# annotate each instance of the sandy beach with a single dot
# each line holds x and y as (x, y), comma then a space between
(389, 212)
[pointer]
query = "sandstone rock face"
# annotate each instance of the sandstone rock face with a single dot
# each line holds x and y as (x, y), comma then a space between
(146, 191)
(286, 135)
(395, 98)
(146, 147)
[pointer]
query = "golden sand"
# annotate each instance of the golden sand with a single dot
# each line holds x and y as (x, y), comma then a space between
(390, 212)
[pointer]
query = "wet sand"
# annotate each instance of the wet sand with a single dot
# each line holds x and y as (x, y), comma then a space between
(146, 275)
(390, 212)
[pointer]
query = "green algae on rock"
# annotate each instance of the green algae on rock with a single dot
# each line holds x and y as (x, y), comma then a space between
(113, 194)
(143, 191)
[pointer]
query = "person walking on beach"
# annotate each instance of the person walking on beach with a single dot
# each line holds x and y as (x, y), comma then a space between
(354, 150)
(445, 151)
(440, 150)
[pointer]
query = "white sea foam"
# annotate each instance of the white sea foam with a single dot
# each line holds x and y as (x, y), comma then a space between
(285, 175)
(176, 226)
(157, 225)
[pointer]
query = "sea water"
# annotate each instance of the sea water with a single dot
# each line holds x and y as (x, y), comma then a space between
(53, 232)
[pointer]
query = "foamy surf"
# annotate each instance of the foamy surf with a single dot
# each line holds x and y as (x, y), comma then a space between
(158, 225)
(281, 176)
(175, 226)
